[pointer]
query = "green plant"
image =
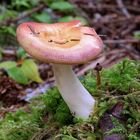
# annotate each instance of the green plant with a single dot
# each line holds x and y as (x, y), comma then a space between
(22, 74)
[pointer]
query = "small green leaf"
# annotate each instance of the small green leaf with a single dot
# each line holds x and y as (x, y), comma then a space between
(21, 53)
(137, 34)
(20, 3)
(70, 18)
(17, 75)
(7, 64)
(66, 19)
(30, 70)
(43, 17)
(9, 30)
(82, 19)
(62, 6)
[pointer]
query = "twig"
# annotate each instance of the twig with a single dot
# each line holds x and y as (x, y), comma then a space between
(135, 19)
(113, 60)
(98, 68)
(134, 127)
(121, 41)
(112, 7)
(128, 30)
(131, 52)
(91, 65)
(123, 8)
(122, 96)
(9, 52)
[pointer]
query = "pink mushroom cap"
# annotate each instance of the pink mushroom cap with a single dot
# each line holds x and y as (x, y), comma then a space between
(64, 43)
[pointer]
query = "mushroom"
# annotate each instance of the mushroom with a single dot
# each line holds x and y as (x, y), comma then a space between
(64, 44)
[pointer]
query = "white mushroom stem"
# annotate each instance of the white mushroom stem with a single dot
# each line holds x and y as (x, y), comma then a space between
(78, 99)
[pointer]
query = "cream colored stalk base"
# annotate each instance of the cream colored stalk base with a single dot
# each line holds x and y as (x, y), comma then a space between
(78, 99)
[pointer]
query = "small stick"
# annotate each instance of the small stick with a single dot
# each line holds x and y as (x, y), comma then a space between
(102, 35)
(123, 8)
(121, 41)
(135, 127)
(32, 30)
(98, 68)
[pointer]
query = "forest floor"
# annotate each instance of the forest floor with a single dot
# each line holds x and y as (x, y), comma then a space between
(118, 111)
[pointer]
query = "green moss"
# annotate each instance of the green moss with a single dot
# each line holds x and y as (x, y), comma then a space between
(19, 125)
(56, 105)
(123, 77)
(22, 125)
(51, 99)
(63, 114)
(48, 117)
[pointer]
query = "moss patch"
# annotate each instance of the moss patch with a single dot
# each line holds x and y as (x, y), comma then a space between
(48, 117)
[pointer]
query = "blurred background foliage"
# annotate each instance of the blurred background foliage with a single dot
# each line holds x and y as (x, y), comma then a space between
(14, 12)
